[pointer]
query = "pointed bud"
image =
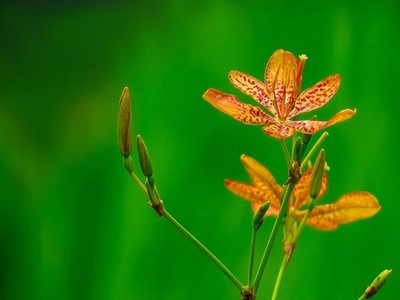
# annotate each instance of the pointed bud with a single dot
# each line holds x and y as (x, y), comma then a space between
(377, 284)
(317, 174)
(124, 126)
(258, 217)
(298, 149)
(144, 157)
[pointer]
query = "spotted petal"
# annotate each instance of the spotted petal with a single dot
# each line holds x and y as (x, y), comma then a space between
(253, 88)
(281, 74)
(242, 112)
(302, 189)
(350, 207)
(262, 179)
(311, 127)
(279, 130)
(316, 96)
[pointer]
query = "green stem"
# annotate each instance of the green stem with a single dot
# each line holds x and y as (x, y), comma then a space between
(286, 152)
(313, 149)
(203, 249)
(272, 237)
(279, 278)
(251, 260)
(138, 182)
(363, 297)
(301, 226)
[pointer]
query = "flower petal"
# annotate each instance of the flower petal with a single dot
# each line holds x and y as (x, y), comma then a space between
(311, 127)
(341, 116)
(230, 105)
(350, 207)
(253, 88)
(281, 80)
(262, 179)
(302, 189)
(279, 130)
(316, 96)
(246, 191)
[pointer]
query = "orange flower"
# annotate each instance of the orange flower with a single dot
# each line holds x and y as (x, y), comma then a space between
(280, 95)
(350, 207)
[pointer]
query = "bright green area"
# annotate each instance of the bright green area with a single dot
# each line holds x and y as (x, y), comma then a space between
(72, 223)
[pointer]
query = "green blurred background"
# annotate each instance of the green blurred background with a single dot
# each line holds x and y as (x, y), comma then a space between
(72, 223)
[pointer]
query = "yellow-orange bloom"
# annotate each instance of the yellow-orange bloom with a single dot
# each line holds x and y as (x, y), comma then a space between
(348, 208)
(280, 95)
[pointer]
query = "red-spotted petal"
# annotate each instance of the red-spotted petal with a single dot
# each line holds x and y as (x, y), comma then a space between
(262, 179)
(350, 207)
(311, 127)
(253, 88)
(230, 105)
(281, 80)
(316, 96)
(246, 191)
(279, 130)
(302, 189)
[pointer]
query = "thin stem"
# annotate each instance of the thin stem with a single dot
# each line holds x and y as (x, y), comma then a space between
(138, 182)
(301, 226)
(279, 278)
(286, 152)
(251, 260)
(363, 297)
(272, 237)
(203, 249)
(313, 149)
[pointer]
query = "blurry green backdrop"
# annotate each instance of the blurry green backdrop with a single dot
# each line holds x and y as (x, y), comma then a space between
(72, 223)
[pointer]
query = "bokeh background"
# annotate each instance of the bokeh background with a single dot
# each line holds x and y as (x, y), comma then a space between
(72, 223)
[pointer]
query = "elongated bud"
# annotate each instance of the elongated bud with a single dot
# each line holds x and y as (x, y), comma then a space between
(124, 126)
(317, 174)
(298, 149)
(144, 158)
(258, 217)
(377, 284)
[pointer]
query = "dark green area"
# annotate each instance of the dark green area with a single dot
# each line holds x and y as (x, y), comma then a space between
(72, 223)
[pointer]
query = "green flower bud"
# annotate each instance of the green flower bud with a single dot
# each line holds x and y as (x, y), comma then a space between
(144, 157)
(258, 217)
(124, 127)
(377, 284)
(298, 149)
(317, 174)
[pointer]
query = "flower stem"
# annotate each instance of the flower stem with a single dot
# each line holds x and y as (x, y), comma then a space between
(286, 152)
(203, 249)
(301, 226)
(313, 149)
(138, 182)
(272, 237)
(251, 260)
(279, 278)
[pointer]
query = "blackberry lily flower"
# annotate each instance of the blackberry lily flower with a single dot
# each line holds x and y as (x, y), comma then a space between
(280, 95)
(348, 208)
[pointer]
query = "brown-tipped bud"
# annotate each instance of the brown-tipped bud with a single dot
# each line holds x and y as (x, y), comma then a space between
(258, 217)
(144, 157)
(317, 174)
(377, 284)
(124, 126)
